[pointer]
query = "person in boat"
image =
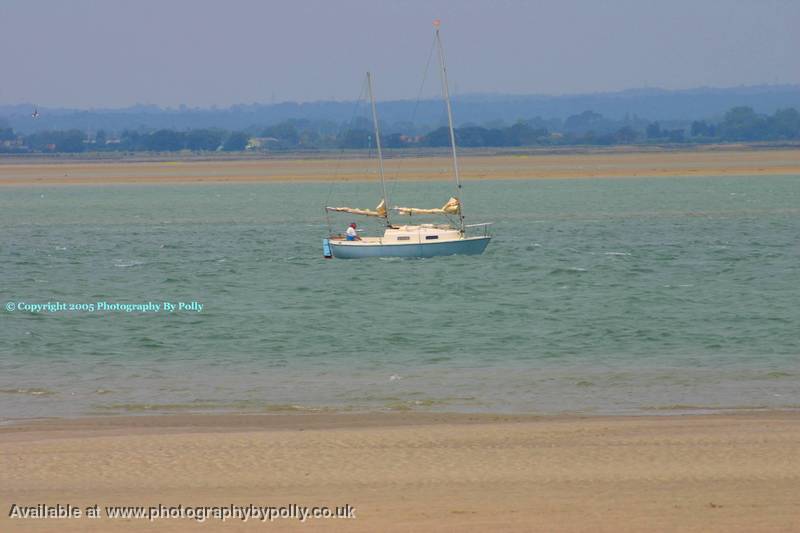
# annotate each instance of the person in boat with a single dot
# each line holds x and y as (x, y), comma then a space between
(352, 234)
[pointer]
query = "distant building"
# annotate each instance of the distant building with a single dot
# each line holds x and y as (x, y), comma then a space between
(261, 143)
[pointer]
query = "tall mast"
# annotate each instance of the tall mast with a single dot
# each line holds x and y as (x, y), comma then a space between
(378, 144)
(446, 93)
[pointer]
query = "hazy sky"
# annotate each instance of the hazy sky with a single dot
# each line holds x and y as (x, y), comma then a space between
(112, 53)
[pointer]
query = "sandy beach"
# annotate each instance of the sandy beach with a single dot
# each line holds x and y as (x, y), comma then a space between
(609, 163)
(415, 471)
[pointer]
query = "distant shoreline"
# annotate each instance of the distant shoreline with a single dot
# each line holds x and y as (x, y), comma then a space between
(616, 162)
(388, 153)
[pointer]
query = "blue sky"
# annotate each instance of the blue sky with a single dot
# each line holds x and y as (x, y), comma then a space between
(114, 53)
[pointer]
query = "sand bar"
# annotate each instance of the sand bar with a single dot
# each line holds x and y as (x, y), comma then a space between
(417, 471)
(592, 164)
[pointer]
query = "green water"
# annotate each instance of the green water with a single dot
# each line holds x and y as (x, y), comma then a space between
(595, 296)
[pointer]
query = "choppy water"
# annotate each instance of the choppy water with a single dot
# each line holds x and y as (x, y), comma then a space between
(596, 296)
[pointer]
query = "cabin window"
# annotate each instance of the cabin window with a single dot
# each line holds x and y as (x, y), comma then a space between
(403, 238)
(431, 237)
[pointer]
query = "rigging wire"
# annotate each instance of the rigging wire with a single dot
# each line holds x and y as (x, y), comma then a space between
(334, 182)
(414, 112)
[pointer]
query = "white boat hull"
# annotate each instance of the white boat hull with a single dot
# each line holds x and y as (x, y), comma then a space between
(360, 249)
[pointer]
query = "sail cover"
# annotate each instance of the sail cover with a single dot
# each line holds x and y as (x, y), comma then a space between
(379, 211)
(452, 207)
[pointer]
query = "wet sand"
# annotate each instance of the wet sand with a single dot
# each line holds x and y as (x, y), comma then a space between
(610, 163)
(416, 471)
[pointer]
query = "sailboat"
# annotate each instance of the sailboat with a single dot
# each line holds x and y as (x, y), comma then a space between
(412, 240)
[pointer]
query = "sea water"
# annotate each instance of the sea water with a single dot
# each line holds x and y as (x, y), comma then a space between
(595, 296)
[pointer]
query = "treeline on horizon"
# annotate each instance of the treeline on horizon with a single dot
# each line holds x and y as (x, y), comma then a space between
(588, 128)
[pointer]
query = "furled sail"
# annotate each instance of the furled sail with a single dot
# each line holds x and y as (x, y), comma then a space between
(379, 211)
(452, 207)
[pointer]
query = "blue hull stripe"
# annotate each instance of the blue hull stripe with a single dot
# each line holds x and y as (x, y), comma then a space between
(470, 246)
